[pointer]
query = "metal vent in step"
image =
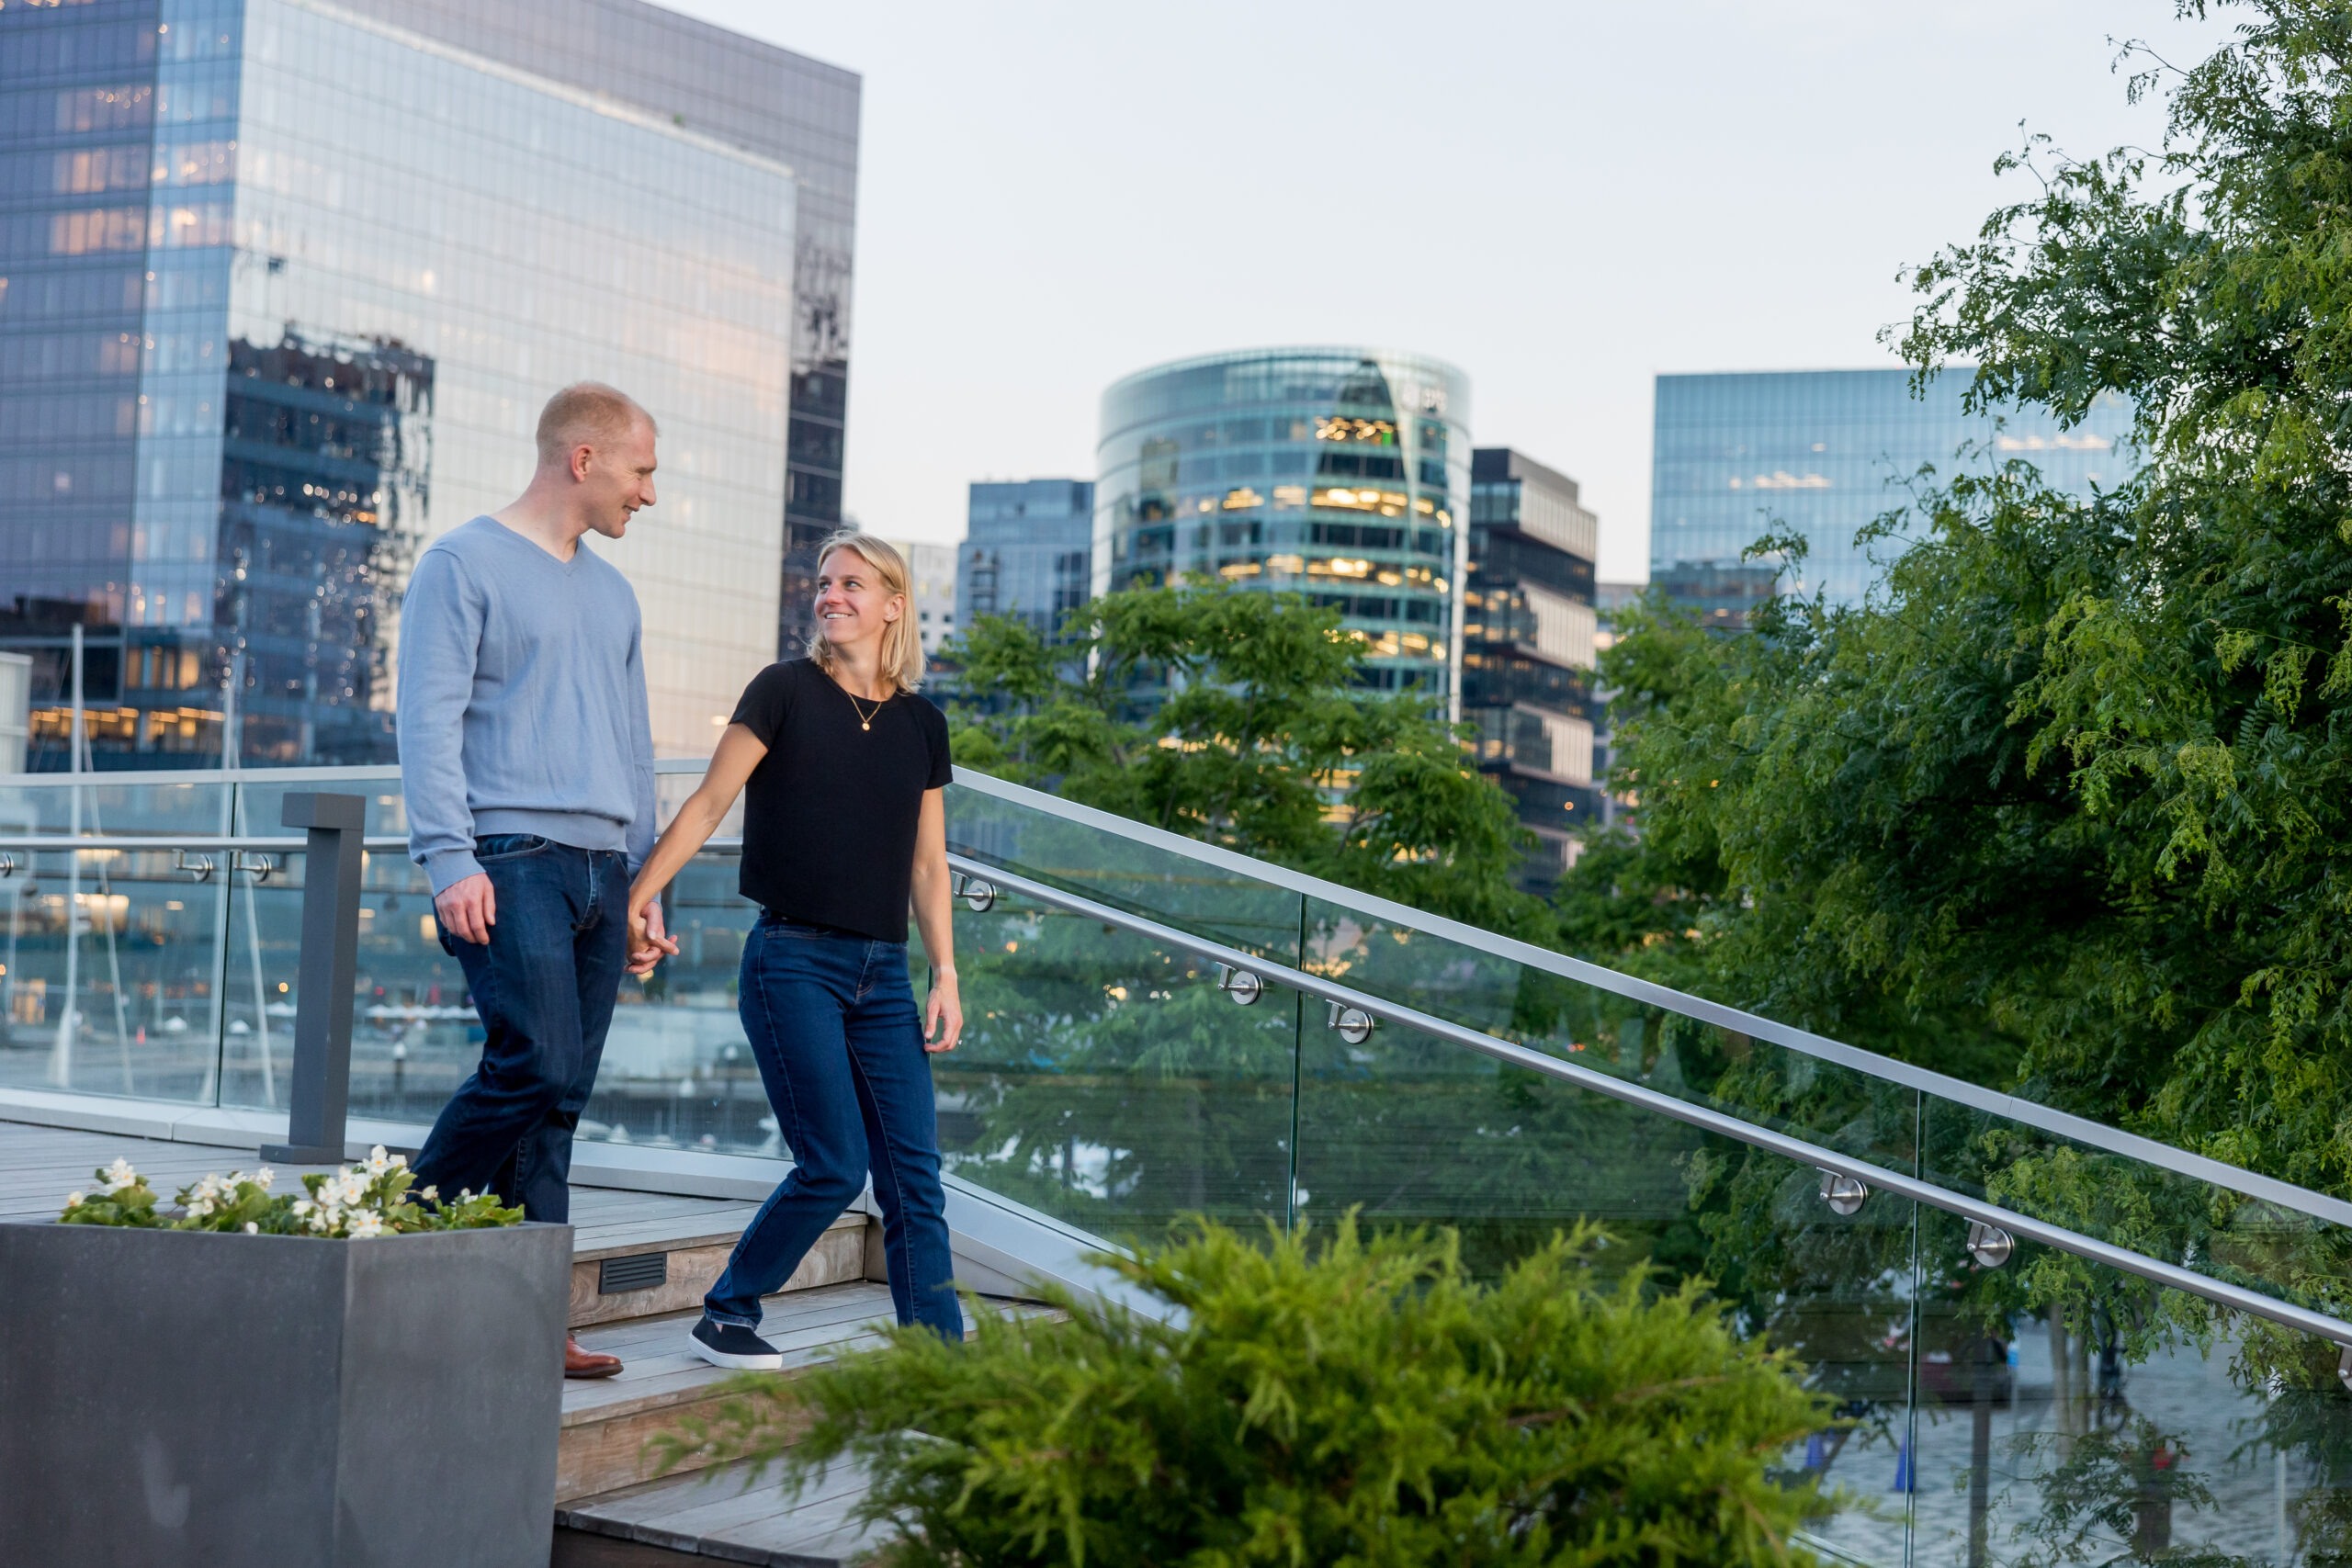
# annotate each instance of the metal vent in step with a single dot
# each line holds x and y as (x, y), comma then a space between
(642, 1272)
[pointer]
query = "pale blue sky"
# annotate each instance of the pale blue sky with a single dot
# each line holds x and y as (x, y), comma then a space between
(1564, 200)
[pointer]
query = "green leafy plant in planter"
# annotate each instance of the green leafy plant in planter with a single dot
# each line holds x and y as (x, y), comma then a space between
(371, 1199)
(1356, 1401)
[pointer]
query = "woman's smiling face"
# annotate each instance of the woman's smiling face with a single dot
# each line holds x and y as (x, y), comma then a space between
(851, 604)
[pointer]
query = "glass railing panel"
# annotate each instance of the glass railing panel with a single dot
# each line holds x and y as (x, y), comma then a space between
(1411, 1131)
(109, 982)
(1754, 1080)
(2069, 1414)
(676, 1071)
(1107, 1081)
(261, 801)
(32, 803)
(45, 806)
(1174, 889)
(413, 1034)
(2141, 1205)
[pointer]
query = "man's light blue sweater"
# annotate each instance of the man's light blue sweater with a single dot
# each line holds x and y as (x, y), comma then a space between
(522, 702)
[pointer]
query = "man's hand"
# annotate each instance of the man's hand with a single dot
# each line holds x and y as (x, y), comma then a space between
(648, 943)
(942, 1021)
(468, 908)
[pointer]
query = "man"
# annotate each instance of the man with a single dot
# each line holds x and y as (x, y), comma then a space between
(526, 762)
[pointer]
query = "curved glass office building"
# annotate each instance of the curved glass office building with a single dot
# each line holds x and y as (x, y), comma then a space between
(1341, 473)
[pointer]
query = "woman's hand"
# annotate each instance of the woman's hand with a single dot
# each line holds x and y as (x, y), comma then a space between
(943, 1020)
(649, 944)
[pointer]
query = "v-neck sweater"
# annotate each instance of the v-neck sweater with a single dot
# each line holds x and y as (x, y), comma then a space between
(521, 701)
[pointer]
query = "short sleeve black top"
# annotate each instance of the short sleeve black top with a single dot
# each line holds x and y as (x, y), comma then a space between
(829, 814)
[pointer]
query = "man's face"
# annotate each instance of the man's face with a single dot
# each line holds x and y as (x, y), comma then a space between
(615, 478)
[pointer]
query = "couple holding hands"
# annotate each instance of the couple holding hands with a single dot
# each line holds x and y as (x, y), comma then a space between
(526, 762)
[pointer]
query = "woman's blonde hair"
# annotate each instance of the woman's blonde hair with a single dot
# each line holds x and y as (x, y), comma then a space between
(902, 660)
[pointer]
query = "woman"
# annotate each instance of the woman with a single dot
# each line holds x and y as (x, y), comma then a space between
(845, 818)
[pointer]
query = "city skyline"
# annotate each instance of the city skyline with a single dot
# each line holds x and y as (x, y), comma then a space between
(1696, 188)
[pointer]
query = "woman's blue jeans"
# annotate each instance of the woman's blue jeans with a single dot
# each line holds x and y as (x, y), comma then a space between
(832, 1024)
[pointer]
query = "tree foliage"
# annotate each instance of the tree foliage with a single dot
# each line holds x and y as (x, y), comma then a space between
(1260, 740)
(2064, 803)
(1358, 1403)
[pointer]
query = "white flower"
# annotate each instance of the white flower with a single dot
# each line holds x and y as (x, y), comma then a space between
(302, 1206)
(74, 1199)
(264, 1175)
(363, 1226)
(431, 1194)
(200, 1207)
(252, 1229)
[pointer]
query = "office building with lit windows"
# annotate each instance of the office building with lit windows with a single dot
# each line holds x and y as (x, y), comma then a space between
(1341, 473)
(1527, 647)
(1823, 452)
(286, 284)
(1028, 552)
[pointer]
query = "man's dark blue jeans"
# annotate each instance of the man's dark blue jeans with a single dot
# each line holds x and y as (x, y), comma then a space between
(545, 987)
(832, 1024)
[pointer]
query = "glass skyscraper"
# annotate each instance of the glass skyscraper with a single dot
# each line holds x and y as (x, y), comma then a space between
(1824, 451)
(1527, 647)
(1028, 551)
(285, 285)
(783, 106)
(1341, 473)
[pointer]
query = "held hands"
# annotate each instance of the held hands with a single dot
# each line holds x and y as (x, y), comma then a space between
(467, 908)
(649, 944)
(942, 1021)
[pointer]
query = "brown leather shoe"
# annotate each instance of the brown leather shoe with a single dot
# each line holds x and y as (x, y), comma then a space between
(580, 1362)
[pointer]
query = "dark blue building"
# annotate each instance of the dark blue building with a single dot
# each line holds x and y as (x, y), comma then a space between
(1027, 552)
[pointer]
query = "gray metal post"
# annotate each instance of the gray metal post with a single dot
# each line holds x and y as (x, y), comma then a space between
(319, 1092)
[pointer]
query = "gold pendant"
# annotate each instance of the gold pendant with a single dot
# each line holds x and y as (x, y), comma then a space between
(866, 727)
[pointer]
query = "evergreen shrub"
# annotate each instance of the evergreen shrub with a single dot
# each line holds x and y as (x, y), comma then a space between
(1355, 1399)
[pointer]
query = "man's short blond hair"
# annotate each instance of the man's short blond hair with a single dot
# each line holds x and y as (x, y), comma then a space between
(590, 413)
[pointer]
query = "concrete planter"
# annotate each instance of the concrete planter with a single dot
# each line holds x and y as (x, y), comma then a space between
(173, 1397)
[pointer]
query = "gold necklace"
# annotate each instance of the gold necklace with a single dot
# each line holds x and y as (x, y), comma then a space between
(864, 719)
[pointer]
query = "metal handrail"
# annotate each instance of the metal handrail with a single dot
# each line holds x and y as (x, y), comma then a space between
(59, 843)
(2222, 1293)
(2081, 1129)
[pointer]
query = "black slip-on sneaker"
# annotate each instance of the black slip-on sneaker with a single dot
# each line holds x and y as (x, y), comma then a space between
(732, 1346)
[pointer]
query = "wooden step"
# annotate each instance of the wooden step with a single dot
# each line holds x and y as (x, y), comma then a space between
(728, 1514)
(678, 1246)
(607, 1421)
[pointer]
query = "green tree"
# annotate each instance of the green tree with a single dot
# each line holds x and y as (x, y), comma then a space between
(1361, 1403)
(1260, 740)
(2064, 804)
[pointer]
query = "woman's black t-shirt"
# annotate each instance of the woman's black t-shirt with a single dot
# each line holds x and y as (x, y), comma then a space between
(829, 814)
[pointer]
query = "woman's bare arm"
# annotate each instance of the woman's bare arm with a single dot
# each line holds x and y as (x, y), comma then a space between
(739, 752)
(935, 916)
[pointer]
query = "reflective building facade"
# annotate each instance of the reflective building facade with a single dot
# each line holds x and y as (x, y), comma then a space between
(799, 111)
(1527, 647)
(1825, 452)
(286, 284)
(1028, 551)
(1341, 473)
